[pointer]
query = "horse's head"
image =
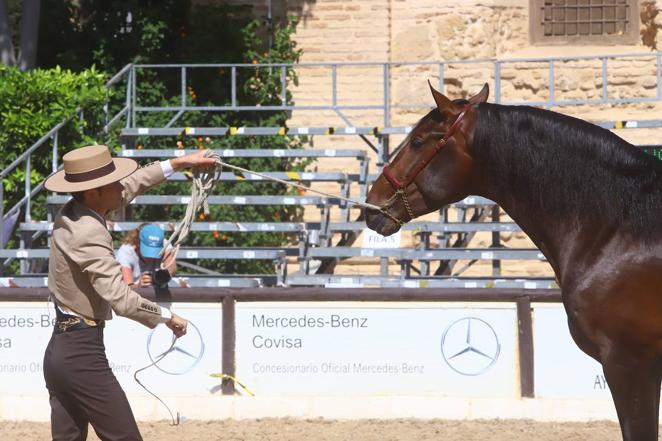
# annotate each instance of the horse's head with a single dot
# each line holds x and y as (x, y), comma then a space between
(433, 168)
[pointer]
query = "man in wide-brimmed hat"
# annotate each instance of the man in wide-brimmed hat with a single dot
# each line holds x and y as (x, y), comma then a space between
(86, 282)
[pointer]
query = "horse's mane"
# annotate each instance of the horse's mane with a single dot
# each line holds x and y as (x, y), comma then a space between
(569, 168)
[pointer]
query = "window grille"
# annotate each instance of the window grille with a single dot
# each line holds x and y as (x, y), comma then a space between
(584, 21)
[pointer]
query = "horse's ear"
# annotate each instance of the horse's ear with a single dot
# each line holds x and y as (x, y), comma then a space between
(443, 103)
(481, 96)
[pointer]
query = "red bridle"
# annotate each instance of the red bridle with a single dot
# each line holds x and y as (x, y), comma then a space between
(401, 187)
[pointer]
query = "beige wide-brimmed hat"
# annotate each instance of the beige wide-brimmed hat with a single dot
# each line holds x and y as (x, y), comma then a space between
(89, 167)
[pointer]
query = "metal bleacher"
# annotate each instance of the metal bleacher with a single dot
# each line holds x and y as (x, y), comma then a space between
(331, 226)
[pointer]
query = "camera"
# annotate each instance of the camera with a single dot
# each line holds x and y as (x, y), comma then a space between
(160, 277)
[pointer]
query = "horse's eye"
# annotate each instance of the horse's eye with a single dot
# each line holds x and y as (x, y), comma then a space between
(416, 142)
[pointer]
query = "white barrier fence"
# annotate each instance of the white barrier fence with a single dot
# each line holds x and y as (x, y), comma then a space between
(313, 357)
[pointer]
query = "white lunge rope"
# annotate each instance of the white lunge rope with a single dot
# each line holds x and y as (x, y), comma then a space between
(202, 186)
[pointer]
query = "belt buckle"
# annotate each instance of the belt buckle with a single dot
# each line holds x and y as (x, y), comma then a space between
(64, 326)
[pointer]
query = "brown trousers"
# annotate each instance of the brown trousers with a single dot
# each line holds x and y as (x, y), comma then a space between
(83, 389)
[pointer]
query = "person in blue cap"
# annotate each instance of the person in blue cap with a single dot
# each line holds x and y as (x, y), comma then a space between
(140, 257)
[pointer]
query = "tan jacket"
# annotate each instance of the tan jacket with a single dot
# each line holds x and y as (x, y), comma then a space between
(83, 274)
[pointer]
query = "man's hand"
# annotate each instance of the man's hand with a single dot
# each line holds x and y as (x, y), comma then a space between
(177, 325)
(145, 279)
(194, 160)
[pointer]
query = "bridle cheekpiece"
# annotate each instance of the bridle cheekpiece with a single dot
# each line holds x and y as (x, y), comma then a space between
(401, 187)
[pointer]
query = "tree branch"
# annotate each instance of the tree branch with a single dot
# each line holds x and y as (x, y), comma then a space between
(29, 34)
(7, 56)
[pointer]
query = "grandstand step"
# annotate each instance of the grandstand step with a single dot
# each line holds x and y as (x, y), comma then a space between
(260, 131)
(248, 153)
(285, 176)
(432, 254)
(339, 281)
(633, 124)
(184, 253)
(198, 226)
(176, 282)
(259, 253)
(330, 281)
(450, 227)
(221, 200)
(435, 227)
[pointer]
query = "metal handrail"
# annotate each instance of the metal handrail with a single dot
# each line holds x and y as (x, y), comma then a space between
(385, 102)
(119, 75)
(23, 201)
(395, 63)
(4, 173)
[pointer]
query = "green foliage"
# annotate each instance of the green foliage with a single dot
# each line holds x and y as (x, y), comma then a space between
(82, 33)
(31, 103)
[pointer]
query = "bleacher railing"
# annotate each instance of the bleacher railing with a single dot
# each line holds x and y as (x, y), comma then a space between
(380, 76)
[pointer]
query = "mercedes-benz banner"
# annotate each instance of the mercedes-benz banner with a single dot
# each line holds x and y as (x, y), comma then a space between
(377, 349)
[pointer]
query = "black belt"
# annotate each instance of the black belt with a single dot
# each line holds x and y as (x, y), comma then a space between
(67, 322)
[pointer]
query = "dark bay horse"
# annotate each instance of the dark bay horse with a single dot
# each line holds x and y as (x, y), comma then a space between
(590, 201)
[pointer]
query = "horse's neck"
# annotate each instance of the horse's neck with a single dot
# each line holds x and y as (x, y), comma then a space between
(565, 238)
(561, 241)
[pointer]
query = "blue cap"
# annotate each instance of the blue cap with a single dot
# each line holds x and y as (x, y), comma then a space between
(151, 241)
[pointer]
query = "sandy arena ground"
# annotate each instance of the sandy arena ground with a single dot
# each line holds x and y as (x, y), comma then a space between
(360, 430)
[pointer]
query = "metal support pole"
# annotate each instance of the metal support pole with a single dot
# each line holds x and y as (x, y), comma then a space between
(385, 155)
(525, 339)
(81, 119)
(49, 211)
(604, 78)
(283, 85)
(23, 264)
(496, 242)
(497, 82)
(106, 117)
(552, 82)
(183, 87)
(303, 253)
(425, 245)
(55, 146)
(233, 91)
(2, 215)
(129, 82)
(383, 265)
(363, 178)
(442, 79)
(133, 96)
(229, 345)
(659, 75)
(28, 189)
(387, 95)
(334, 85)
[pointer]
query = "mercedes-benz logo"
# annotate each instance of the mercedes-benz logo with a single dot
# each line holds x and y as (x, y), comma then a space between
(470, 346)
(186, 353)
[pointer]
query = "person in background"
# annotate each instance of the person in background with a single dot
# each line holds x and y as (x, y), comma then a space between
(140, 257)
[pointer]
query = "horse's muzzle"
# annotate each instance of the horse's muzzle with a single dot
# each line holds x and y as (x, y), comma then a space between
(379, 222)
